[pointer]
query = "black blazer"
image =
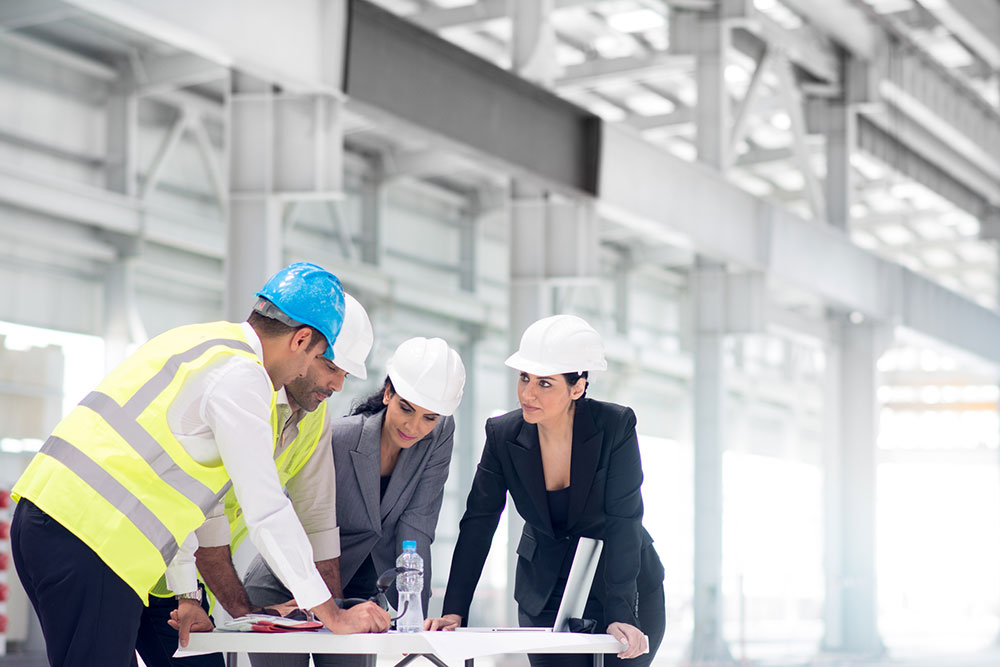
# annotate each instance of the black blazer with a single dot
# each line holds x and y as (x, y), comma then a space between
(605, 503)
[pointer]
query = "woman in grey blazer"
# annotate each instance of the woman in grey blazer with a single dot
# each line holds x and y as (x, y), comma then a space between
(391, 457)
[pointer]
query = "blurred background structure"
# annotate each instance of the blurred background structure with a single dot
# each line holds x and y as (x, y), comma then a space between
(782, 216)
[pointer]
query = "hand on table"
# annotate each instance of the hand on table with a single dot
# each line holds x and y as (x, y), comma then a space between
(631, 637)
(187, 618)
(446, 622)
(364, 617)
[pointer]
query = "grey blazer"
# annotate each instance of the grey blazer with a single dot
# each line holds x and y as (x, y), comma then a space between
(409, 511)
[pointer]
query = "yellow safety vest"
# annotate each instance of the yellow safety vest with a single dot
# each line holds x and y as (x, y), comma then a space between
(113, 473)
(289, 463)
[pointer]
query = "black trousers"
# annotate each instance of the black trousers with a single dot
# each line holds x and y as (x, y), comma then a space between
(89, 615)
(652, 621)
(157, 641)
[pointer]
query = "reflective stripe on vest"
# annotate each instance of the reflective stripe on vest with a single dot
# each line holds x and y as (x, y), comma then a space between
(113, 491)
(112, 472)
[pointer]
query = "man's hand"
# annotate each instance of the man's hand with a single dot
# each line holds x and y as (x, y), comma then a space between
(187, 618)
(631, 637)
(216, 567)
(365, 617)
(446, 622)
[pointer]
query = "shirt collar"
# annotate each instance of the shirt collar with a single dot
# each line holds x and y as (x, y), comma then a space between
(254, 340)
(282, 397)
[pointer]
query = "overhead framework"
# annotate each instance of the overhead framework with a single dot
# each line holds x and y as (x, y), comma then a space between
(412, 81)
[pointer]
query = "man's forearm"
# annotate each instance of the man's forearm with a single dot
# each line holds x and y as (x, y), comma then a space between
(216, 567)
(330, 571)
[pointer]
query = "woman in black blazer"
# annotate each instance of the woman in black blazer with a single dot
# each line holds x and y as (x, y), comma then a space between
(571, 465)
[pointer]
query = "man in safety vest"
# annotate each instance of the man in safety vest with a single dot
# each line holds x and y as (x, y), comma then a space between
(110, 502)
(306, 472)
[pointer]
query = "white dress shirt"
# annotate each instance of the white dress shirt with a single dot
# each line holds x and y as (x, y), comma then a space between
(222, 415)
(312, 490)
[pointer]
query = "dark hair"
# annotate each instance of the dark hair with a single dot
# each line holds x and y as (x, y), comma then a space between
(373, 403)
(267, 327)
(573, 378)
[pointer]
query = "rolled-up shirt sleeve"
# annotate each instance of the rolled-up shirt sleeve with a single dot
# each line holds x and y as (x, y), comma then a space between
(237, 409)
(313, 492)
(215, 531)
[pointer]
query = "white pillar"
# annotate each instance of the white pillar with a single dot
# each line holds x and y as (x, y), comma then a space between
(841, 136)
(122, 322)
(713, 110)
(852, 621)
(709, 392)
(286, 150)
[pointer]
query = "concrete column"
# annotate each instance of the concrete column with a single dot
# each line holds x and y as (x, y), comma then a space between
(832, 487)
(713, 109)
(709, 392)
(254, 239)
(851, 616)
(285, 150)
(841, 137)
(122, 322)
(121, 134)
(372, 208)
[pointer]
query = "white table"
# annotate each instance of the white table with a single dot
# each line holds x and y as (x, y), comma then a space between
(435, 646)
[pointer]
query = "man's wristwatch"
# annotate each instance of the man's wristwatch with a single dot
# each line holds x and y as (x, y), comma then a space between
(193, 595)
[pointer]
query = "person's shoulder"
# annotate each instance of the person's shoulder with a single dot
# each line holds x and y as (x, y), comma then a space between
(606, 411)
(605, 408)
(506, 424)
(346, 426)
(512, 418)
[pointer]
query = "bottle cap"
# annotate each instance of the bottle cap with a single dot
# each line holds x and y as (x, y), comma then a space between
(409, 545)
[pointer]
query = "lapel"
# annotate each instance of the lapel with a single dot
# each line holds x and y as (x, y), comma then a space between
(526, 455)
(365, 457)
(405, 472)
(584, 459)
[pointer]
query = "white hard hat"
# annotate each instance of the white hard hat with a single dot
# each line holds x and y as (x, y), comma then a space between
(428, 373)
(355, 340)
(559, 344)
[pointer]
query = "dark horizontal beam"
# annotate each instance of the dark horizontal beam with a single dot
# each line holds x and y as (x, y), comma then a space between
(414, 75)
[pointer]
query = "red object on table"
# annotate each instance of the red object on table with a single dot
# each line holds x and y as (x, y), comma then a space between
(4, 498)
(4, 560)
(268, 626)
(3, 623)
(4, 530)
(4, 590)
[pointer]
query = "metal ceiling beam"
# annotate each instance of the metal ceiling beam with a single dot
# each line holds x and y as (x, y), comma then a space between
(596, 72)
(396, 67)
(886, 147)
(164, 74)
(976, 23)
(478, 12)
(303, 41)
(843, 21)
(710, 214)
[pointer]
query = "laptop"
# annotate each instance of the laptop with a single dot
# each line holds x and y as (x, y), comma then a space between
(578, 583)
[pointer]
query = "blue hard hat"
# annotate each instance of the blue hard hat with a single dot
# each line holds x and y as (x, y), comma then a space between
(305, 294)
